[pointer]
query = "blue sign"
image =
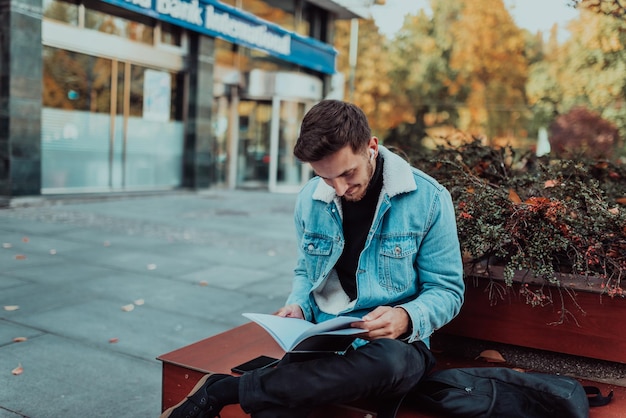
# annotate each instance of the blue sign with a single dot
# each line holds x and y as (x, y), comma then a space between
(213, 18)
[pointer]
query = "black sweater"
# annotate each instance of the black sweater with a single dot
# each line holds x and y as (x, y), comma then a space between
(357, 220)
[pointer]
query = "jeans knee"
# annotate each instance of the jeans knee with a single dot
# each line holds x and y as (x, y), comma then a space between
(396, 356)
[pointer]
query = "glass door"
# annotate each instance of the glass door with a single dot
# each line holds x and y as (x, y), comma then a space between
(287, 174)
(253, 152)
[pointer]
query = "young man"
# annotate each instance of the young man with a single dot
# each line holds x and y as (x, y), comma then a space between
(377, 240)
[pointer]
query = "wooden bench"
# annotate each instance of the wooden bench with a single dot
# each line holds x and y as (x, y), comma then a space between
(183, 367)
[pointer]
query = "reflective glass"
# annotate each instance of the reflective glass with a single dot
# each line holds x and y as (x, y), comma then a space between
(61, 11)
(119, 26)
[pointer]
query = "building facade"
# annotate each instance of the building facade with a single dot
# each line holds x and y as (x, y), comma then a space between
(128, 95)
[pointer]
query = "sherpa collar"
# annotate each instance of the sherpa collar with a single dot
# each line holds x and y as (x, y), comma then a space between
(397, 178)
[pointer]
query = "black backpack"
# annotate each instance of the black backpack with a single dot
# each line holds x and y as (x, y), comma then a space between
(502, 392)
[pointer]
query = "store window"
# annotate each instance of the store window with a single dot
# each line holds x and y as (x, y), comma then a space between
(61, 11)
(109, 124)
(314, 23)
(170, 34)
(281, 12)
(105, 18)
(226, 53)
(115, 25)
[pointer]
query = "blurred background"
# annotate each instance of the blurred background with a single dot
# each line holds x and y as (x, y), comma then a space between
(108, 96)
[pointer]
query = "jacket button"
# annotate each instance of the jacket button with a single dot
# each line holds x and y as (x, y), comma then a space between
(311, 247)
(398, 250)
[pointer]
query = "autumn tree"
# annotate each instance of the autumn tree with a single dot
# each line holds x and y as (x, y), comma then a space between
(372, 87)
(614, 8)
(421, 75)
(464, 65)
(591, 68)
(489, 56)
(543, 89)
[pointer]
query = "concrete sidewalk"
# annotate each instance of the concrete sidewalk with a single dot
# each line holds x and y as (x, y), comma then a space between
(188, 264)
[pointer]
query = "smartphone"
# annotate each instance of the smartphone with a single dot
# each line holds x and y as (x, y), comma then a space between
(260, 362)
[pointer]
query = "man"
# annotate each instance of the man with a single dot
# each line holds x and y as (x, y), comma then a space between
(377, 240)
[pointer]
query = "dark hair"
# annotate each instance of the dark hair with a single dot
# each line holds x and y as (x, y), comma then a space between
(329, 126)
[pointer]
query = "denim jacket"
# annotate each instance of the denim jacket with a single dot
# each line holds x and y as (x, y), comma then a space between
(411, 258)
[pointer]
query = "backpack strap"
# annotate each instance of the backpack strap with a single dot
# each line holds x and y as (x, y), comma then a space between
(596, 398)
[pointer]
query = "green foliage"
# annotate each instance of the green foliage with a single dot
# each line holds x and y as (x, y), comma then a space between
(545, 216)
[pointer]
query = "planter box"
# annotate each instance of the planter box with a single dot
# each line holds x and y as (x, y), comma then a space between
(591, 326)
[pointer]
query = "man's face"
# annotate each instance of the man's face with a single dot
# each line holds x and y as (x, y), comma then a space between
(348, 173)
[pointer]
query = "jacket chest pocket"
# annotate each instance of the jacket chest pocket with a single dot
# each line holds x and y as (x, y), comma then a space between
(397, 256)
(317, 250)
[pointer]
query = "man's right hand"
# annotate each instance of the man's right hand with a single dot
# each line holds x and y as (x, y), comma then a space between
(291, 311)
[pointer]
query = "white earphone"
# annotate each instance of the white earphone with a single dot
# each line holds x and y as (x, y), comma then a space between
(373, 154)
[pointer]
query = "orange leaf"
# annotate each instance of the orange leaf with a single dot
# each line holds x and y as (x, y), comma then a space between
(621, 200)
(25, 239)
(514, 197)
(491, 356)
(550, 183)
(19, 339)
(11, 307)
(537, 201)
(18, 370)
(20, 257)
(113, 340)
(204, 283)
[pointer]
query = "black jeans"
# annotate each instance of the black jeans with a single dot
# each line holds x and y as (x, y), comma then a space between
(383, 368)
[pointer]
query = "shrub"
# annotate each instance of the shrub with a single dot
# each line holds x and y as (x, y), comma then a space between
(536, 214)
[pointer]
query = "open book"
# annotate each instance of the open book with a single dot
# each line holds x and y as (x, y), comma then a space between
(297, 335)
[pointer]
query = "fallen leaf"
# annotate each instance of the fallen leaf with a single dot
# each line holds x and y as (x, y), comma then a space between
(7, 245)
(19, 339)
(128, 308)
(151, 266)
(139, 302)
(550, 183)
(25, 239)
(18, 370)
(11, 307)
(53, 251)
(204, 283)
(491, 356)
(20, 257)
(113, 340)
(106, 243)
(514, 197)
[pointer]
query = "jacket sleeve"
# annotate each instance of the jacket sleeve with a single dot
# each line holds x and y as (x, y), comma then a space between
(301, 285)
(439, 270)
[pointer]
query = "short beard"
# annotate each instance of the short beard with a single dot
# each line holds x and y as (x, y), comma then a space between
(370, 175)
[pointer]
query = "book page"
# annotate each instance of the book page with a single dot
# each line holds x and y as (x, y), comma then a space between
(284, 330)
(288, 332)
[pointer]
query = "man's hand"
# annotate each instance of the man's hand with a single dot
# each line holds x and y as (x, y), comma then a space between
(291, 311)
(386, 322)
